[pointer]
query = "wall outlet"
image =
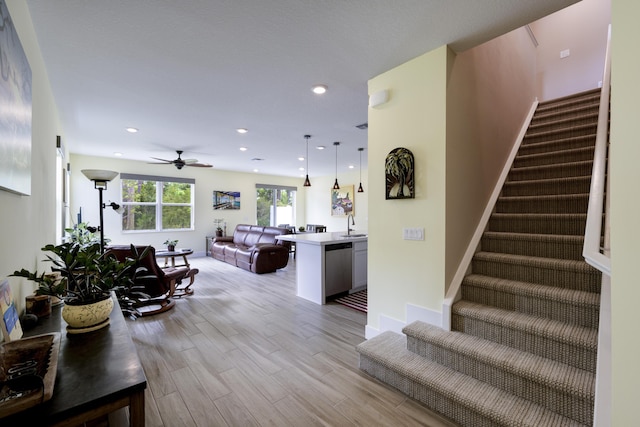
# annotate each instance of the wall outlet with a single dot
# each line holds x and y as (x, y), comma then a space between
(413, 233)
(565, 53)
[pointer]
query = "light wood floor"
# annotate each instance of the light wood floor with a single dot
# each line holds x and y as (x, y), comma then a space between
(245, 351)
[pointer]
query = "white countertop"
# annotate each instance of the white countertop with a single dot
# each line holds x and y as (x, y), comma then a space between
(324, 238)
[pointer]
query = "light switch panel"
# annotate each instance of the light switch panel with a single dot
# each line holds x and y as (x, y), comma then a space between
(413, 233)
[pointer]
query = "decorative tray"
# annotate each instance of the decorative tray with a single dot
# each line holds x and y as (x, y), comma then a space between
(27, 372)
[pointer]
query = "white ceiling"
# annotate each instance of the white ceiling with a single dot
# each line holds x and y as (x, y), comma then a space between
(187, 73)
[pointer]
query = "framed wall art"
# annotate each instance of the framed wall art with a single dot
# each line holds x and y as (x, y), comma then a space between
(15, 104)
(399, 174)
(342, 202)
(226, 200)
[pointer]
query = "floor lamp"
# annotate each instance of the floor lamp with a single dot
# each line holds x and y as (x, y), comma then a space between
(100, 179)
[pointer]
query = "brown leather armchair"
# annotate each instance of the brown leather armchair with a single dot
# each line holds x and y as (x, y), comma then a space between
(161, 284)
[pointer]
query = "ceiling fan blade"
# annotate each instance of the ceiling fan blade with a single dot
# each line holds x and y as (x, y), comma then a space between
(199, 165)
(187, 161)
(164, 160)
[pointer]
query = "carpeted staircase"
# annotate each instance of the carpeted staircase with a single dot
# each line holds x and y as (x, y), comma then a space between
(523, 345)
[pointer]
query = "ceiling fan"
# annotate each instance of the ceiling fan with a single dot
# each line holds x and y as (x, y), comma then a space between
(180, 162)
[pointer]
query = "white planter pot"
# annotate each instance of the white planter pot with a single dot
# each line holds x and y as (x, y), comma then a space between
(87, 317)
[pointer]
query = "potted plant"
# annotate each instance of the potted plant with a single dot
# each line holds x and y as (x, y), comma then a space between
(218, 222)
(86, 279)
(171, 244)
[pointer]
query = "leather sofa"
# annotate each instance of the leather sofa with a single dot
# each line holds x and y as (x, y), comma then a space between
(253, 248)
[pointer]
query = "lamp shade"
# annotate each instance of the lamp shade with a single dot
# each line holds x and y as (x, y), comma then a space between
(99, 175)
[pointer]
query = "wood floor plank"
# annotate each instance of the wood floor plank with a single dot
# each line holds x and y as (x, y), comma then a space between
(174, 411)
(244, 350)
(196, 398)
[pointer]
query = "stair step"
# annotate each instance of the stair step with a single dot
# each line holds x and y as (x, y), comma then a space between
(558, 120)
(571, 185)
(563, 203)
(566, 224)
(561, 273)
(557, 133)
(564, 305)
(536, 245)
(558, 144)
(558, 170)
(550, 116)
(465, 400)
(569, 344)
(561, 388)
(569, 102)
(553, 157)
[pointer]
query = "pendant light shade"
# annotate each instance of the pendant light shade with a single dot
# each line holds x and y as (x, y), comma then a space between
(307, 183)
(360, 189)
(336, 186)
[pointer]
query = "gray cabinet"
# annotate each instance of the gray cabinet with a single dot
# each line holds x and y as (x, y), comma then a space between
(359, 265)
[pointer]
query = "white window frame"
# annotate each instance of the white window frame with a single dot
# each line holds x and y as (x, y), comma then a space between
(159, 181)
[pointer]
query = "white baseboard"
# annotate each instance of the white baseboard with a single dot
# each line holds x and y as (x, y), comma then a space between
(414, 313)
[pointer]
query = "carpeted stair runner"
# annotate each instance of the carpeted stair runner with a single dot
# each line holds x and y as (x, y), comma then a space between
(523, 345)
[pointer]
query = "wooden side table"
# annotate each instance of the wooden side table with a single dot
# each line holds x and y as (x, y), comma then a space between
(173, 254)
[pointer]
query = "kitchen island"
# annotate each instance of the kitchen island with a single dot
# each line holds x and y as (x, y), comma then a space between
(329, 264)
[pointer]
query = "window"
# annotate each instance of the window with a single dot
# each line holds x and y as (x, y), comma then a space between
(275, 205)
(155, 203)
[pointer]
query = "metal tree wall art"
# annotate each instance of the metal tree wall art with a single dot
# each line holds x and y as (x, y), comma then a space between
(399, 174)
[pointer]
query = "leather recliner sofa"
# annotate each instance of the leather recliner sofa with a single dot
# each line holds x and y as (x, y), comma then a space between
(253, 248)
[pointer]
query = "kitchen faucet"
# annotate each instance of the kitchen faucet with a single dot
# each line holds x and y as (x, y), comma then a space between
(353, 222)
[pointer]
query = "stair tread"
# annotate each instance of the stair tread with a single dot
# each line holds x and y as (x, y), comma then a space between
(565, 295)
(521, 157)
(560, 130)
(525, 182)
(552, 329)
(527, 365)
(559, 238)
(556, 263)
(552, 166)
(546, 197)
(389, 350)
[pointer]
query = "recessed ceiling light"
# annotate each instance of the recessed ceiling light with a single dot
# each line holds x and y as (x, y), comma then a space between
(132, 130)
(243, 148)
(242, 130)
(301, 159)
(319, 89)
(351, 166)
(320, 147)
(256, 170)
(300, 169)
(117, 154)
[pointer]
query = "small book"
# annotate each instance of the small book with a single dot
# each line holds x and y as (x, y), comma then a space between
(10, 321)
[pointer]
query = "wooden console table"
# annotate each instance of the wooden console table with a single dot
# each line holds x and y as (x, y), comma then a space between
(98, 373)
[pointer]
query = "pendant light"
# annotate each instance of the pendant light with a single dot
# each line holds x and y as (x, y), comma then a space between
(360, 189)
(307, 183)
(336, 186)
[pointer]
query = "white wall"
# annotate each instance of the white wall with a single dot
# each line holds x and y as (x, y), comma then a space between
(581, 28)
(83, 194)
(318, 202)
(29, 222)
(403, 271)
(625, 211)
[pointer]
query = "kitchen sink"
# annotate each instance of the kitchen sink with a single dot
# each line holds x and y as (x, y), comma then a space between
(354, 235)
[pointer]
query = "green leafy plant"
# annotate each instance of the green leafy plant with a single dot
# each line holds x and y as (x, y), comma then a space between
(170, 242)
(84, 275)
(84, 234)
